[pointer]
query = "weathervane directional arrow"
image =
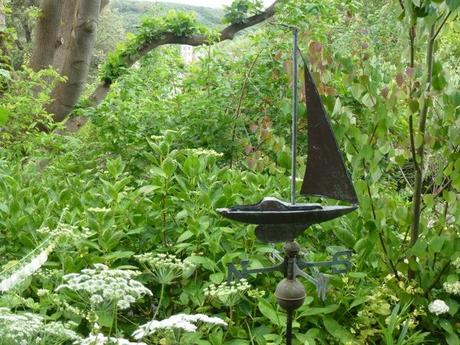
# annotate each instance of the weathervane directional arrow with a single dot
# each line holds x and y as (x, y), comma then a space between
(339, 264)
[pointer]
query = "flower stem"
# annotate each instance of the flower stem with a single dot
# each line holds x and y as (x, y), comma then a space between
(159, 301)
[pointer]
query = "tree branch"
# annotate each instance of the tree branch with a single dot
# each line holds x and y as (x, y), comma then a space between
(418, 185)
(227, 33)
(437, 278)
(441, 25)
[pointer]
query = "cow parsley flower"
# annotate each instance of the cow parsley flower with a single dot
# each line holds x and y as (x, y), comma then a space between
(102, 284)
(26, 270)
(452, 288)
(59, 331)
(100, 339)
(456, 263)
(99, 209)
(203, 152)
(184, 322)
(30, 329)
(438, 307)
(228, 294)
(19, 328)
(166, 268)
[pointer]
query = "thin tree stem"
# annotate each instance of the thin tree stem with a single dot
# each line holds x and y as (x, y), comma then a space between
(418, 185)
(442, 25)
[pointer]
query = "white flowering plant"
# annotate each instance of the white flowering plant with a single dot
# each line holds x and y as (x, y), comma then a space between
(101, 339)
(438, 307)
(31, 329)
(101, 288)
(229, 294)
(166, 268)
(172, 327)
(17, 273)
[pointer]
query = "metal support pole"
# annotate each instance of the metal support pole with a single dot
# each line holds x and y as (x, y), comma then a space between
(291, 250)
(294, 117)
(289, 328)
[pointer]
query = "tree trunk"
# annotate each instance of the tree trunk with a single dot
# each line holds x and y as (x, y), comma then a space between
(3, 49)
(77, 59)
(64, 37)
(46, 33)
(104, 3)
(2, 19)
(67, 22)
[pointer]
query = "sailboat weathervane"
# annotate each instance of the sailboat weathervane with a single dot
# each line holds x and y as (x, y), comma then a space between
(280, 221)
(326, 175)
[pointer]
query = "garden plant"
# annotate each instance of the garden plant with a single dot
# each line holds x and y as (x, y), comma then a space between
(111, 174)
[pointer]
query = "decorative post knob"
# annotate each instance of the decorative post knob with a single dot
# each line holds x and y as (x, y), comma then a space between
(290, 294)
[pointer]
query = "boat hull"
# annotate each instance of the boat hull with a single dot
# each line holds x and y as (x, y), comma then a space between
(273, 211)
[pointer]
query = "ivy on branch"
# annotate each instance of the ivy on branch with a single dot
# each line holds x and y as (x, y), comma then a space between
(174, 28)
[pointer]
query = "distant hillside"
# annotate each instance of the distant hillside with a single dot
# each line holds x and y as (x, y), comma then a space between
(133, 10)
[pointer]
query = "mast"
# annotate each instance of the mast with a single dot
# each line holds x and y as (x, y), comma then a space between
(294, 115)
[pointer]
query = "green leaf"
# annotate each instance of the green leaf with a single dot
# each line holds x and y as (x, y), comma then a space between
(5, 73)
(337, 331)
(345, 236)
(169, 166)
(272, 314)
(318, 311)
(436, 244)
(105, 317)
(148, 189)
(185, 236)
(192, 166)
(357, 275)
(284, 160)
(237, 342)
(453, 4)
(201, 260)
(217, 278)
(451, 338)
(358, 301)
(419, 249)
(4, 114)
(118, 255)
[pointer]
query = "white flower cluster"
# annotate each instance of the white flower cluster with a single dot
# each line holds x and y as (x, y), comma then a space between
(29, 329)
(58, 330)
(64, 231)
(26, 270)
(228, 293)
(166, 268)
(204, 152)
(184, 322)
(438, 307)
(99, 209)
(456, 263)
(452, 288)
(102, 284)
(100, 339)
(18, 328)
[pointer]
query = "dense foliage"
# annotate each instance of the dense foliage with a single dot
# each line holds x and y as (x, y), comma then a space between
(133, 11)
(129, 201)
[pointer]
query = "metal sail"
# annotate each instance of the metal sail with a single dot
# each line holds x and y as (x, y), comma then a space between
(326, 174)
